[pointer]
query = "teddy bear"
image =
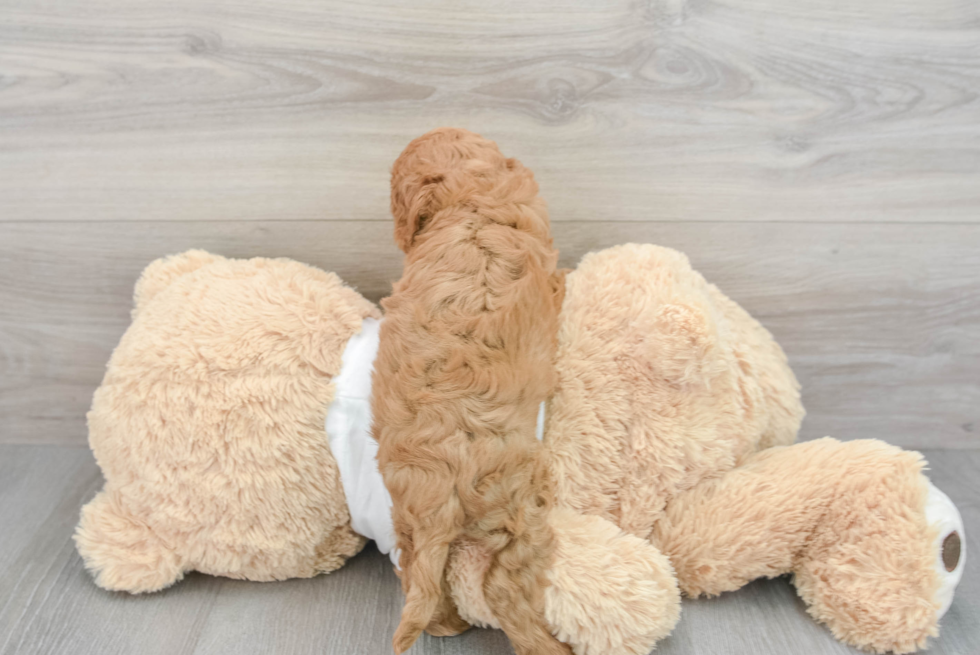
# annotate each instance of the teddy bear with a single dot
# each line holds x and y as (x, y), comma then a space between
(233, 431)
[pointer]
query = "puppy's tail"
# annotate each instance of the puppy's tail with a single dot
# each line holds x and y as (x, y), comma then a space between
(431, 550)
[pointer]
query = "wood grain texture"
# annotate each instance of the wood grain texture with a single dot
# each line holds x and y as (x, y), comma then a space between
(818, 159)
(699, 110)
(881, 322)
(49, 605)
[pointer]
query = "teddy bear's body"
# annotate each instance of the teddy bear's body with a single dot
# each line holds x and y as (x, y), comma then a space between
(668, 436)
(663, 382)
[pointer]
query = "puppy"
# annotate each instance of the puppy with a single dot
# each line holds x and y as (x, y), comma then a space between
(465, 360)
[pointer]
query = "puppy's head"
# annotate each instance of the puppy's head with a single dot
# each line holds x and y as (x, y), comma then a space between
(439, 169)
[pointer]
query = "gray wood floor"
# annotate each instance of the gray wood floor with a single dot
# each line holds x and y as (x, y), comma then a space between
(49, 605)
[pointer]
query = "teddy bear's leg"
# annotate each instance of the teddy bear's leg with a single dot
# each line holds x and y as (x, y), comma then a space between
(122, 553)
(609, 592)
(848, 519)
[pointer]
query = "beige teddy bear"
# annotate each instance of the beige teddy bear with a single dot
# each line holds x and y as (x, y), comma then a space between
(233, 430)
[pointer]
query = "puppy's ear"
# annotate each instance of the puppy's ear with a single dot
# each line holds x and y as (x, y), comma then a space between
(414, 199)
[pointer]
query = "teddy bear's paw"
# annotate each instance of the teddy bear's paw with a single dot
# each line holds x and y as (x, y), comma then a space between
(949, 545)
(611, 592)
(874, 572)
(123, 554)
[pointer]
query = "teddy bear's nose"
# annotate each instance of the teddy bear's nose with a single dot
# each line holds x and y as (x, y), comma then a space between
(951, 551)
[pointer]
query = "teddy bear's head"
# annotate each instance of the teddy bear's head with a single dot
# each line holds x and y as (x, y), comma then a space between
(209, 426)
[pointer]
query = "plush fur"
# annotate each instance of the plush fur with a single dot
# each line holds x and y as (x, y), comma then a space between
(610, 592)
(663, 382)
(846, 518)
(670, 399)
(466, 357)
(209, 430)
(672, 417)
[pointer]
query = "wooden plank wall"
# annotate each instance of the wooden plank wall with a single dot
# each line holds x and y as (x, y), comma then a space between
(819, 160)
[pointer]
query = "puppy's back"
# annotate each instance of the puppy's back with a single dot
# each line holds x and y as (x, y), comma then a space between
(465, 360)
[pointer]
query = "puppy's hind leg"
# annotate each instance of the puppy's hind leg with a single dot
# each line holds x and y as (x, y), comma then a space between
(431, 538)
(446, 621)
(514, 585)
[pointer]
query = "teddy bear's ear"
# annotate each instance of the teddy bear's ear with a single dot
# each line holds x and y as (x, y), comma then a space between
(162, 272)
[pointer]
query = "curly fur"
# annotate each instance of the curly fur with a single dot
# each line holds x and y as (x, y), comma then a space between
(466, 357)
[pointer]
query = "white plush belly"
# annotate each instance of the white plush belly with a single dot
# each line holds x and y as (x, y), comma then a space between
(356, 452)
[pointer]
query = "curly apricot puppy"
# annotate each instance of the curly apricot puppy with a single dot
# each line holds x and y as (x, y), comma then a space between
(466, 358)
